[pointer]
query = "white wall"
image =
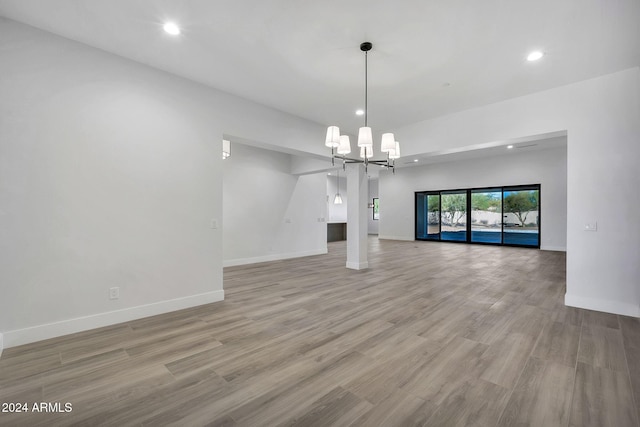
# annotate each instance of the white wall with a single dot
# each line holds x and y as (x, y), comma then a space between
(110, 174)
(268, 213)
(601, 118)
(337, 213)
(545, 167)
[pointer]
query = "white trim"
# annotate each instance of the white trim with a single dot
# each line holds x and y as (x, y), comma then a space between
(70, 326)
(554, 248)
(607, 306)
(357, 265)
(383, 237)
(274, 257)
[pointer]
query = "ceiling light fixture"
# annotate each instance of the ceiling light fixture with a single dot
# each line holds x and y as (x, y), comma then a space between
(226, 149)
(337, 200)
(509, 147)
(365, 139)
(359, 112)
(171, 28)
(535, 55)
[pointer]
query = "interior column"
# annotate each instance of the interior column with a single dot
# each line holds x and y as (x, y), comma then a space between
(357, 196)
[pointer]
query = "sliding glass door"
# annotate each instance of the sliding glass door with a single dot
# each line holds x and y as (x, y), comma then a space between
(498, 215)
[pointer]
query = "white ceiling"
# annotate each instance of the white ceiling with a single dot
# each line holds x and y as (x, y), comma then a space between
(430, 57)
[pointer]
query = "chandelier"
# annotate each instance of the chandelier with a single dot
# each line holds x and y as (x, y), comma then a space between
(341, 146)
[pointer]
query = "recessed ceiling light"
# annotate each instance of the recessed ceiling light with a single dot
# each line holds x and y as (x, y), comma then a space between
(415, 160)
(171, 28)
(509, 146)
(535, 55)
(359, 112)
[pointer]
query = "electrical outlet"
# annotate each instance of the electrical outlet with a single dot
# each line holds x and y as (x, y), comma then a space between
(114, 293)
(214, 223)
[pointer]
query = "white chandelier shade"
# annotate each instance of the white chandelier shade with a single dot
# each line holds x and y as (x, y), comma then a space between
(388, 143)
(333, 137)
(365, 138)
(345, 145)
(395, 153)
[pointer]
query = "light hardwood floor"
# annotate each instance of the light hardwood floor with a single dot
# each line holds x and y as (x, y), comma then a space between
(432, 334)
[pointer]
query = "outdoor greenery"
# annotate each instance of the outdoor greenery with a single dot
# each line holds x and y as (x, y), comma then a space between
(485, 201)
(433, 203)
(520, 203)
(454, 207)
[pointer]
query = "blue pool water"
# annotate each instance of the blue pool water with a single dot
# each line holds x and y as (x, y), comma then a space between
(524, 238)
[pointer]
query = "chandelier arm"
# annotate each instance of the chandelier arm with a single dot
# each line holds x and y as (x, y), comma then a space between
(366, 162)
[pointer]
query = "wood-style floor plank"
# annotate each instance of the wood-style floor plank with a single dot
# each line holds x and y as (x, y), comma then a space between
(603, 398)
(602, 347)
(432, 334)
(542, 396)
(559, 343)
(476, 403)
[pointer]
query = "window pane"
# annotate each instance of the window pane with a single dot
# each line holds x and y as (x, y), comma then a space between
(521, 217)
(376, 208)
(427, 216)
(433, 217)
(453, 216)
(421, 219)
(486, 216)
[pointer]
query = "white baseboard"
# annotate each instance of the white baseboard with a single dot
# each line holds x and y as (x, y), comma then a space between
(607, 306)
(554, 248)
(384, 237)
(272, 257)
(357, 265)
(79, 324)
